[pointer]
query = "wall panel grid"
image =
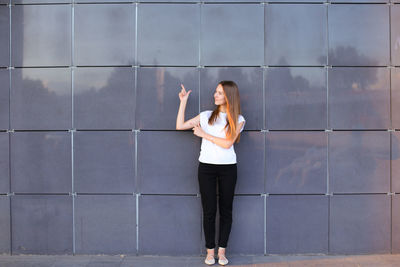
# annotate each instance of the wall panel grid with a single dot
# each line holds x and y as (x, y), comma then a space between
(87, 166)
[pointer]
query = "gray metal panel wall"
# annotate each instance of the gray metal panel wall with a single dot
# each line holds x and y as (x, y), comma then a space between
(90, 161)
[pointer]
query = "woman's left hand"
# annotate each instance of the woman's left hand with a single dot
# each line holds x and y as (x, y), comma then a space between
(197, 130)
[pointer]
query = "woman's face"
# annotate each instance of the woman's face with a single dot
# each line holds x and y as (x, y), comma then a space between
(219, 98)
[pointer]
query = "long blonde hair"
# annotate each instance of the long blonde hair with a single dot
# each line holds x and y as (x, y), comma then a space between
(232, 98)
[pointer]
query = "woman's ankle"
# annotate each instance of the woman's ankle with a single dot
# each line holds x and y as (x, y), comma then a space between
(221, 251)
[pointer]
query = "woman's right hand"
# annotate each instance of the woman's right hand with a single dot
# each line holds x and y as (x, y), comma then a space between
(183, 95)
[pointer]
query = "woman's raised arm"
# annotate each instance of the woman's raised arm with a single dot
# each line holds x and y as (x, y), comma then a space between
(181, 124)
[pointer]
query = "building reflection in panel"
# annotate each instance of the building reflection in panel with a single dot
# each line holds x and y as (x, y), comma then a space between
(359, 98)
(358, 35)
(250, 84)
(296, 162)
(157, 96)
(359, 162)
(41, 98)
(104, 98)
(295, 98)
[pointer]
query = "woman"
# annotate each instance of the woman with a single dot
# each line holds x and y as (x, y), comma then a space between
(219, 129)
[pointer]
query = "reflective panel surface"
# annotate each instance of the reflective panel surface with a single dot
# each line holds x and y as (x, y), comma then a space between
(180, 217)
(247, 242)
(41, 224)
(232, 34)
(395, 138)
(41, 35)
(168, 34)
(295, 98)
(296, 162)
(4, 164)
(250, 85)
(295, 34)
(359, 1)
(40, 1)
(395, 223)
(359, 224)
(396, 98)
(297, 224)
(104, 1)
(41, 162)
(250, 162)
(4, 99)
(157, 96)
(4, 36)
(359, 98)
(395, 34)
(105, 224)
(168, 162)
(359, 162)
(104, 162)
(104, 34)
(41, 99)
(358, 35)
(5, 225)
(104, 98)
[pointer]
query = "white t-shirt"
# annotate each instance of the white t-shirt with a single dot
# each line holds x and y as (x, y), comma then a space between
(210, 152)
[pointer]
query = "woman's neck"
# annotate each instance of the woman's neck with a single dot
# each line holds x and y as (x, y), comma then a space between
(222, 109)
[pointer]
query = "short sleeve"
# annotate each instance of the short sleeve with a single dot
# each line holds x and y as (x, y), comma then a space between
(204, 116)
(240, 119)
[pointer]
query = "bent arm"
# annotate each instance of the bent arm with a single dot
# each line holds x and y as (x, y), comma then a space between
(223, 142)
(181, 124)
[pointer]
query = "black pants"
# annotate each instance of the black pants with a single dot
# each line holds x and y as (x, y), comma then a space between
(209, 175)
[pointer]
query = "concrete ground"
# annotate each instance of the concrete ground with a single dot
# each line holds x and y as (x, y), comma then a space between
(375, 260)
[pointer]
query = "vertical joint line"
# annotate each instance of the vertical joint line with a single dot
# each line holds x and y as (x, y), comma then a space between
(199, 36)
(9, 34)
(391, 197)
(9, 125)
(137, 224)
(390, 33)
(72, 63)
(199, 59)
(329, 219)
(72, 73)
(135, 163)
(390, 70)
(327, 69)
(72, 33)
(136, 34)
(9, 70)
(73, 193)
(327, 162)
(265, 225)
